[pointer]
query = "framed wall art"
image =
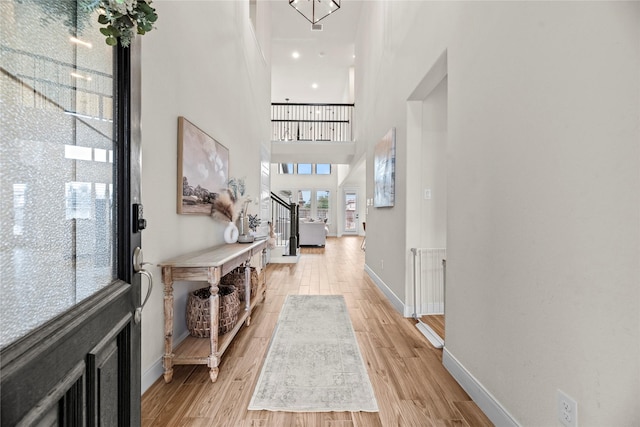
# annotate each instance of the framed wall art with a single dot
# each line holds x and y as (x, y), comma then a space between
(384, 170)
(203, 169)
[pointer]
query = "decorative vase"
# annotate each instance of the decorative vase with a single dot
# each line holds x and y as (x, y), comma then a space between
(243, 229)
(231, 233)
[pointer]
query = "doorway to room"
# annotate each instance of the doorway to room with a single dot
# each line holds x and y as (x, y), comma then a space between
(434, 208)
(428, 130)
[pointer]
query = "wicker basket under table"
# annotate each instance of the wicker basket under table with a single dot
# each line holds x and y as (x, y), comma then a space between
(236, 278)
(198, 311)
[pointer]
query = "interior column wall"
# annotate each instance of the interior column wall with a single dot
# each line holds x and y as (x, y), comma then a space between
(543, 191)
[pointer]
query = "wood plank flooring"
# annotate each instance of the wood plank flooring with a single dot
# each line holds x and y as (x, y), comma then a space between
(411, 385)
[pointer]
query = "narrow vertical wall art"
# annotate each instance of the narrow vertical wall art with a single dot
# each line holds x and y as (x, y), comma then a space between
(384, 170)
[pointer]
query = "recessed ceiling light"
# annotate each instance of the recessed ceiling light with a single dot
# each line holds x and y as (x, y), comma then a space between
(295, 55)
(314, 85)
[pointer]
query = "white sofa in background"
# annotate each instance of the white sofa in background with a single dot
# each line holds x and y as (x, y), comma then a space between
(313, 233)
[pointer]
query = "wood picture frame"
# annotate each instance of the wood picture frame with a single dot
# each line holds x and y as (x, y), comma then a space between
(384, 171)
(203, 169)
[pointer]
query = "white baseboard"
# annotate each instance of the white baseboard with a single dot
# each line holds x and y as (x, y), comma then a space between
(156, 370)
(409, 311)
(151, 375)
(480, 395)
(430, 334)
(392, 297)
(278, 256)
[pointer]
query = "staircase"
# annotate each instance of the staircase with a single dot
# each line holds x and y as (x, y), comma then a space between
(284, 217)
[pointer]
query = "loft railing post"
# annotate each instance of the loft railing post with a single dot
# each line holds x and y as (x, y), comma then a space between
(298, 226)
(293, 231)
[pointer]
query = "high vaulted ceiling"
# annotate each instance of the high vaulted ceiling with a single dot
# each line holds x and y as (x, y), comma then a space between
(325, 56)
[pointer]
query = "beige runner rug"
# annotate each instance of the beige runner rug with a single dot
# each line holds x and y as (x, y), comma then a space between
(314, 363)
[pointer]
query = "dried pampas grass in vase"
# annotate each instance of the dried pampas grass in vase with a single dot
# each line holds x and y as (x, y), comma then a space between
(223, 209)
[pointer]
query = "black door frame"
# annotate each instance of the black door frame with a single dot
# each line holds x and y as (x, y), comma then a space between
(128, 70)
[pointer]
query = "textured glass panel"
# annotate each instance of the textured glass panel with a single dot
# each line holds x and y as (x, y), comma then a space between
(57, 223)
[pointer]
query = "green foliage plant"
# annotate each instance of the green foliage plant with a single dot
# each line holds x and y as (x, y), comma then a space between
(122, 17)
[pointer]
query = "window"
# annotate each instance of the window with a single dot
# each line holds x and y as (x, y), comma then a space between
(322, 204)
(323, 169)
(304, 203)
(350, 211)
(314, 204)
(304, 168)
(286, 168)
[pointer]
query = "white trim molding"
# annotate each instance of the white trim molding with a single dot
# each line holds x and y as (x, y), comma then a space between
(392, 297)
(151, 375)
(157, 370)
(430, 334)
(480, 395)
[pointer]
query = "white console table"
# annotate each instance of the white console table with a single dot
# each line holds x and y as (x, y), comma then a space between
(208, 265)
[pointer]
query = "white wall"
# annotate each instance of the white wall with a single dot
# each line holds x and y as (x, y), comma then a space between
(543, 191)
(202, 62)
(433, 221)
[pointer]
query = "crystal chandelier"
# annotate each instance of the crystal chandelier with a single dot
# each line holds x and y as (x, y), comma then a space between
(315, 10)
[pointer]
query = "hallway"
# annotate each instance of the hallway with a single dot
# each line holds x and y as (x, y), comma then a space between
(411, 385)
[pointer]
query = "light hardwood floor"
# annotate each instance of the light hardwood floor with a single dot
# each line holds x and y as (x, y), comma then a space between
(411, 385)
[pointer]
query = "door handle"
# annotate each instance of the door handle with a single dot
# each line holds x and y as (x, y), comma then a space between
(138, 267)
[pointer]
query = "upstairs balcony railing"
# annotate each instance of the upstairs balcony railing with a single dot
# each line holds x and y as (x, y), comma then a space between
(312, 122)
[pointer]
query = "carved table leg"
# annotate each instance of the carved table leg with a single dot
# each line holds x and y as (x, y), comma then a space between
(214, 314)
(263, 273)
(168, 376)
(247, 291)
(213, 374)
(167, 360)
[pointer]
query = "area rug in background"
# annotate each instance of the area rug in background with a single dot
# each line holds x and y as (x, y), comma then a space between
(313, 363)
